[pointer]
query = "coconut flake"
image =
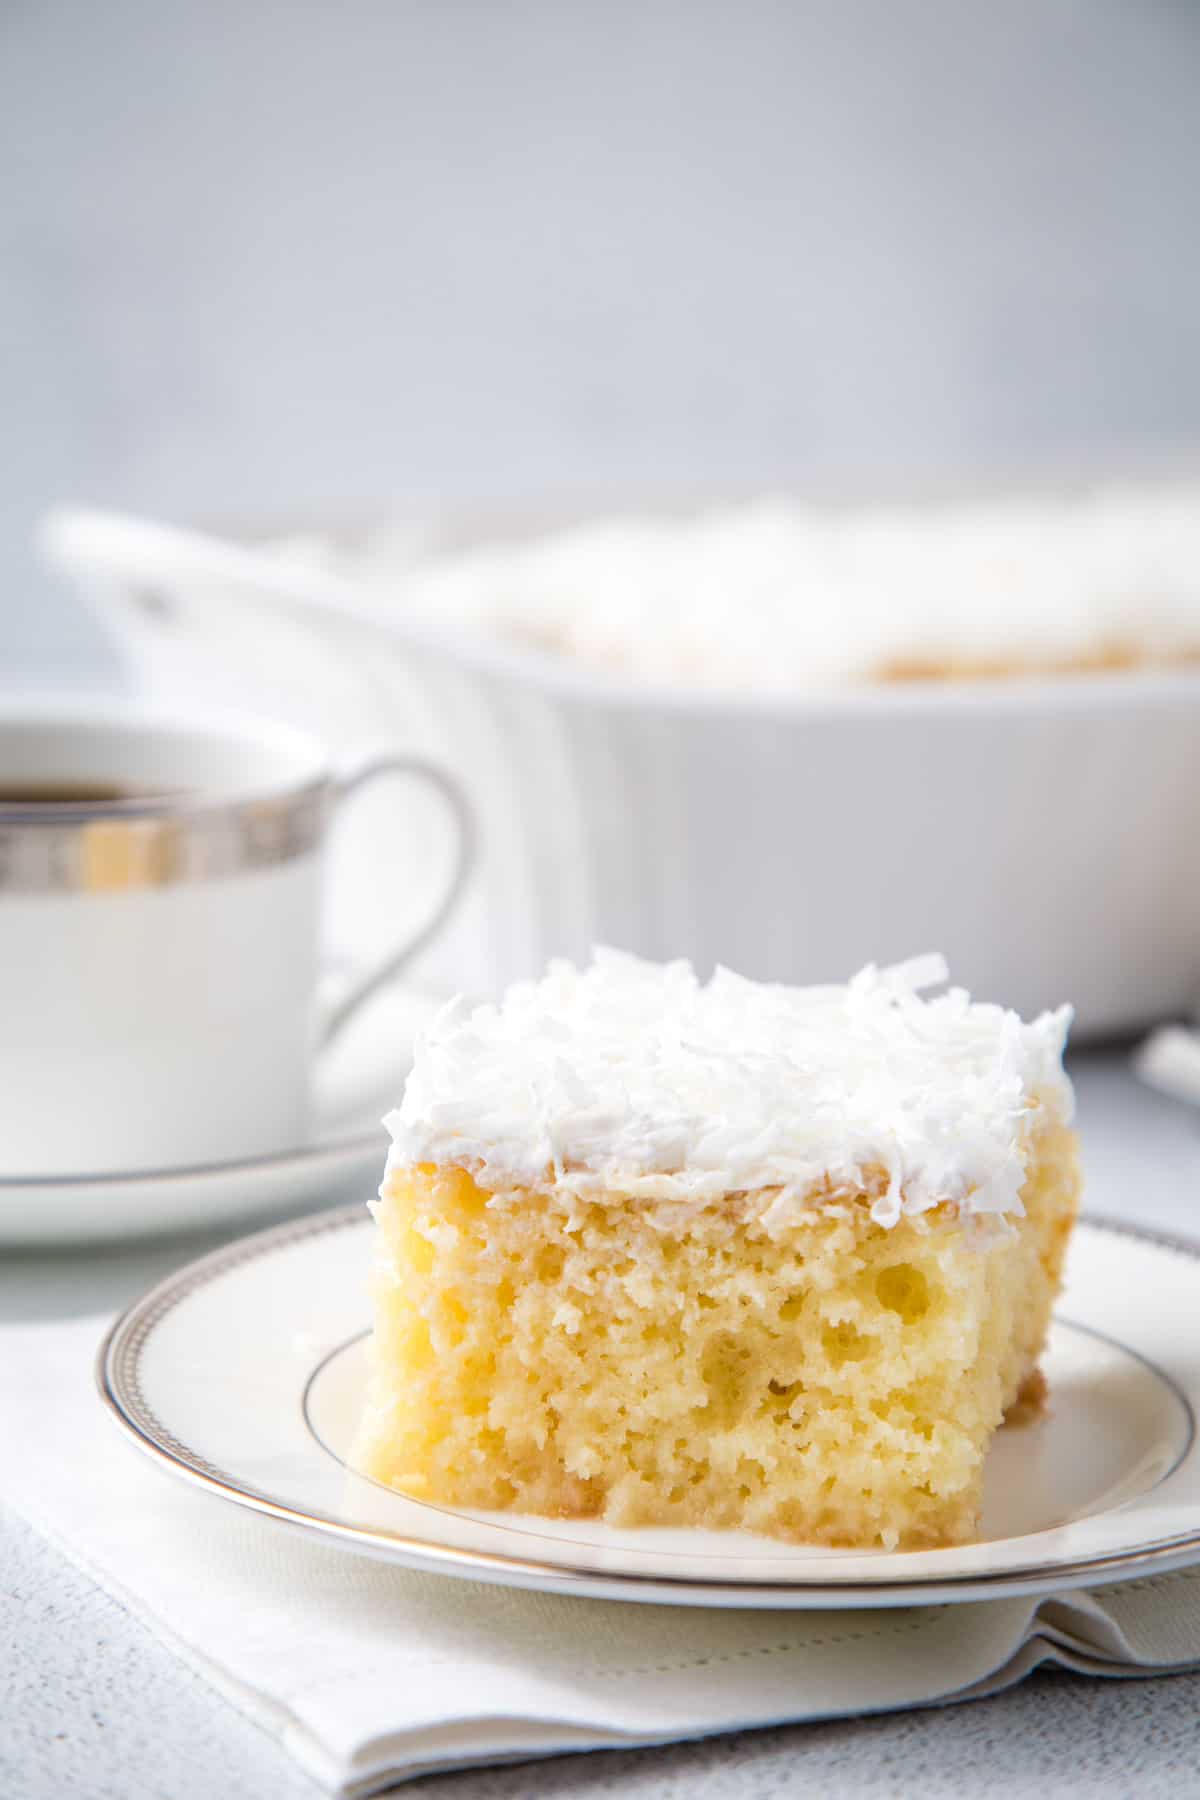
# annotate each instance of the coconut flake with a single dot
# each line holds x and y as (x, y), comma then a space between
(633, 1078)
(778, 597)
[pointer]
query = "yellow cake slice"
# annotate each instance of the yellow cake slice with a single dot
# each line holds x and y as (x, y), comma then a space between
(724, 1255)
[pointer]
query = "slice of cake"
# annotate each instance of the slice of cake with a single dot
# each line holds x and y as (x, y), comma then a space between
(723, 1255)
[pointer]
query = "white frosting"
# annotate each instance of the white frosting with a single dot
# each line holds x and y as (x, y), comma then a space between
(633, 1077)
(780, 597)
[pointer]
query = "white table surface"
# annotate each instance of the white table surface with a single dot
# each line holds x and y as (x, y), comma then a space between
(92, 1705)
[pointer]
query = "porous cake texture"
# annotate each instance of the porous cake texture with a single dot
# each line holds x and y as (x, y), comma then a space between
(724, 1255)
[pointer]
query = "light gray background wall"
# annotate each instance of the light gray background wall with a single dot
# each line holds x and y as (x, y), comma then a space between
(277, 259)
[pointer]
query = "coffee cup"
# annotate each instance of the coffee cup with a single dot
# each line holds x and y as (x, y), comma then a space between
(163, 989)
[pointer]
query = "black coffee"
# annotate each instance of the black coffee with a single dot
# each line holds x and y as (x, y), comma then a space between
(73, 793)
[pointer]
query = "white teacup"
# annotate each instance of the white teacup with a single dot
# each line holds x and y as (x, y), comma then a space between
(160, 945)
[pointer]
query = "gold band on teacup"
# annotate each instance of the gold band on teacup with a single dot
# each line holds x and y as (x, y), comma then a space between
(88, 849)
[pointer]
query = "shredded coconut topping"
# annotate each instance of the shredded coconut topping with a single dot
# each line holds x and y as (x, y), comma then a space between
(777, 597)
(634, 1078)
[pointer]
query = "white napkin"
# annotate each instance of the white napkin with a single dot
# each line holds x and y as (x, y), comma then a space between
(1169, 1060)
(368, 1674)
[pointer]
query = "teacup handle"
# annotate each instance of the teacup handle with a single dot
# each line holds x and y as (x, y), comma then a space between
(370, 980)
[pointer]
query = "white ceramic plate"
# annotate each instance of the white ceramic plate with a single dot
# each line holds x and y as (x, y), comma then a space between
(362, 1079)
(243, 1374)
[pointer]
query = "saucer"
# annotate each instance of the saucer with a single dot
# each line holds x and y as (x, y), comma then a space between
(359, 1080)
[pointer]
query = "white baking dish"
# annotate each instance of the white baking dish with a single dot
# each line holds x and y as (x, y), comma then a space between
(1044, 833)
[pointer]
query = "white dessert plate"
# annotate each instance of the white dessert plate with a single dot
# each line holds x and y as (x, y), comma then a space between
(361, 1080)
(243, 1374)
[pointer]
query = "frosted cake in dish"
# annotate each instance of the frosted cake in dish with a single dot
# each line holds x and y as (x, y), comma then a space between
(723, 1255)
(779, 597)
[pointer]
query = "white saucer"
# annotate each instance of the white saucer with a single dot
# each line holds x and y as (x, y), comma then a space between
(243, 1373)
(360, 1079)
